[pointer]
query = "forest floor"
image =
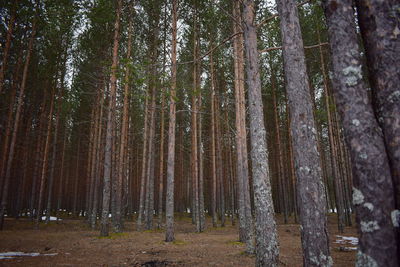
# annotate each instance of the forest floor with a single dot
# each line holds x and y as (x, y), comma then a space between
(71, 243)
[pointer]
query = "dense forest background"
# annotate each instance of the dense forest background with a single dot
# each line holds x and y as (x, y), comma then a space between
(132, 110)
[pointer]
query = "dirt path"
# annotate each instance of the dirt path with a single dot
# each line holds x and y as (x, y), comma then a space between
(76, 245)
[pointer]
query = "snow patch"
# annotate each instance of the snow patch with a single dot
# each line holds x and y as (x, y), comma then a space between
(11, 255)
(346, 240)
(51, 218)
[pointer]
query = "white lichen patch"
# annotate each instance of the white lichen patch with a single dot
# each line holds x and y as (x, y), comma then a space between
(363, 155)
(395, 218)
(369, 206)
(356, 122)
(358, 197)
(368, 227)
(364, 260)
(305, 169)
(353, 75)
(394, 97)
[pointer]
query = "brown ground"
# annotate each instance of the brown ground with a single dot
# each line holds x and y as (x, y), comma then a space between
(76, 245)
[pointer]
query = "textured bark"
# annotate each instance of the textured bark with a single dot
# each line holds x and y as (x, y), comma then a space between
(20, 103)
(373, 189)
(169, 203)
(311, 192)
(267, 251)
(380, 29)
(110, 127)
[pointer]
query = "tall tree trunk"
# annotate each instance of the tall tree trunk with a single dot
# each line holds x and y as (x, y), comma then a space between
(311, 191)
(213, 148)
(281, 176)
(169, 235)
(53, 162)
(202, 216)
(267, 251)
(97, 172)
(110, 127)
(220, 169)
(139, 221)
(20, 103)
(161, 168)
(373, 196)
(60, 182)
(151, 159)
(118, 222)
(76, 182)
(246, 228)
(379, 23)
(45, 162)
(194, 132)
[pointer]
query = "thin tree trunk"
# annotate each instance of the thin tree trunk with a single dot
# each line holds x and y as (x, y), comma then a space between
(194, 132)
(118, 223)
(76, 182)
(246, 228)
(169, 235)
(213, 148)
(45, 161)
(144, 165)
(373, 196)
(53, 163)
(267, 251)
(110, 127)
(161, 168)
(150, 165)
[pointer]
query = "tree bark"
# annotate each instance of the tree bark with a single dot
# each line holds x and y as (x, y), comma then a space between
(311, 192)
(373, 196)
(267, 251)
(213, 148)
(110, 127)
(379, 23)
(169, 235)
